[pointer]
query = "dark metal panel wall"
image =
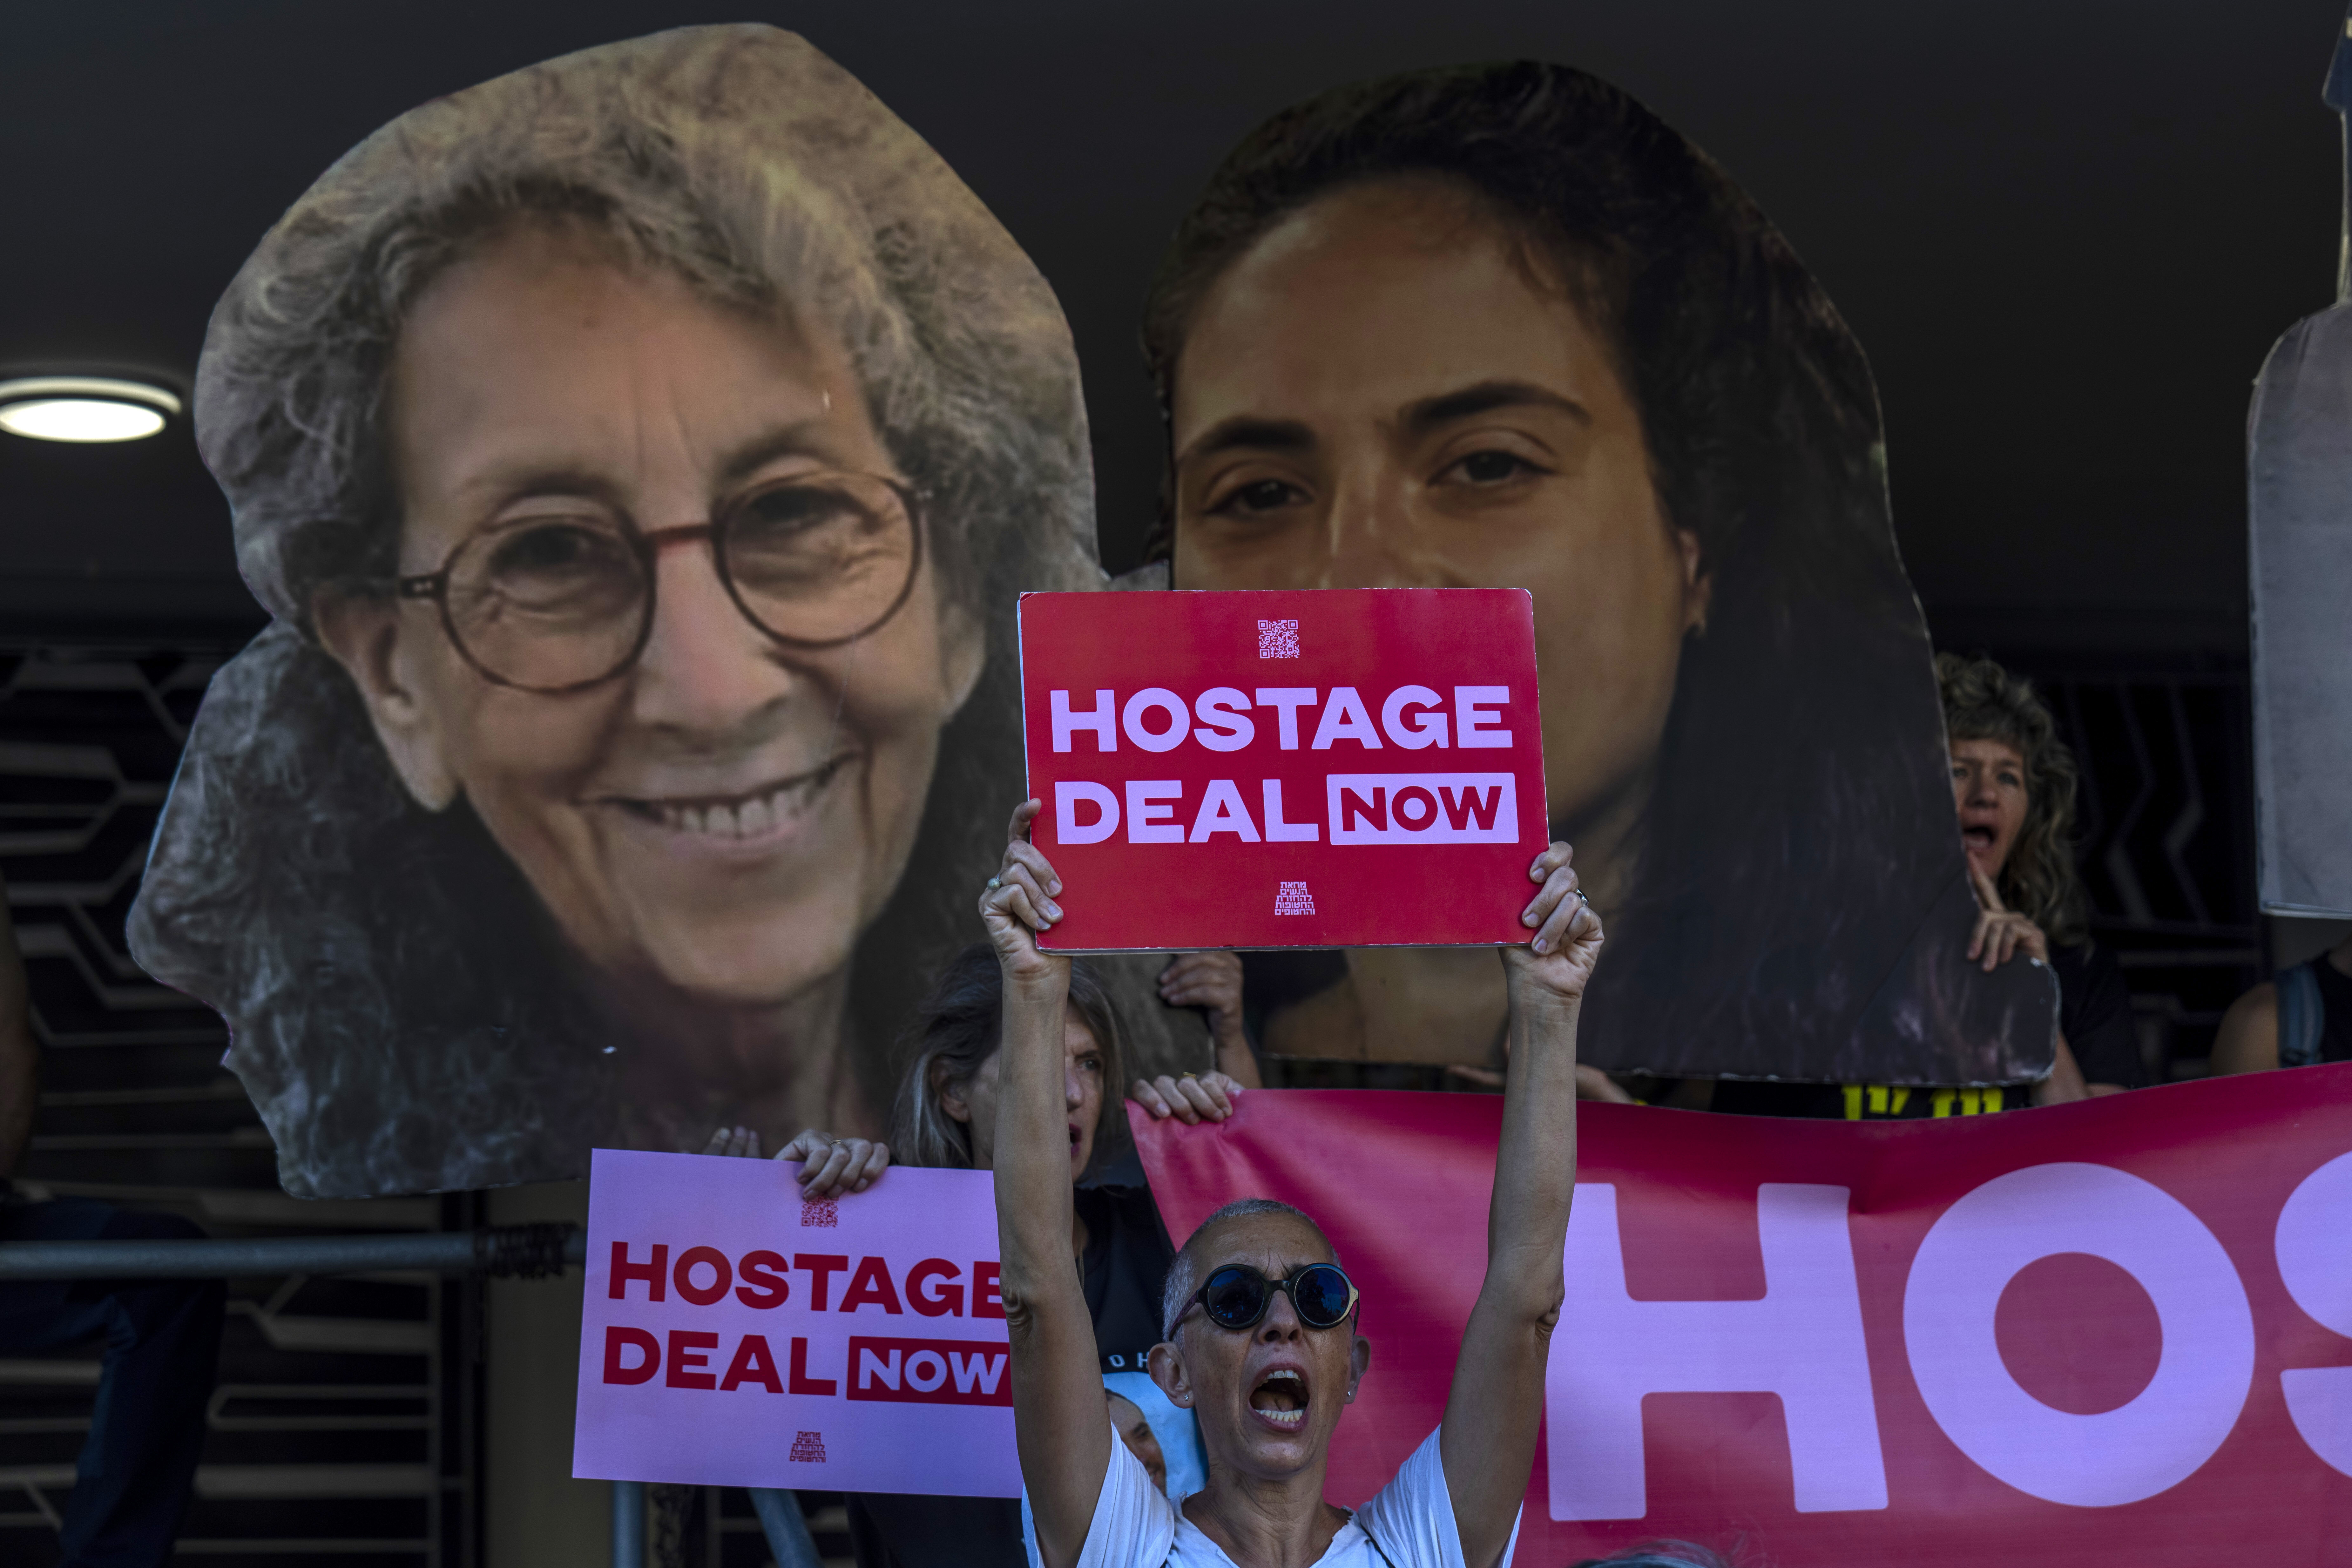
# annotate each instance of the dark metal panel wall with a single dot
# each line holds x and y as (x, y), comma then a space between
(344, 1427)
(2165, 847)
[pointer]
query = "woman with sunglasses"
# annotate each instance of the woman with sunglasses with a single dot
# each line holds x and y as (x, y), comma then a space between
(1259, 1318)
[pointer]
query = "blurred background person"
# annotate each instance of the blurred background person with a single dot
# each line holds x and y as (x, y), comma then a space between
(162, 1336)
(1135, 1432)
(2303, 1017)
(1658, 1554)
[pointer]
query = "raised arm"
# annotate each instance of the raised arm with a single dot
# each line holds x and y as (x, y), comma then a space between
(1488, 1439)
(1059, 1420)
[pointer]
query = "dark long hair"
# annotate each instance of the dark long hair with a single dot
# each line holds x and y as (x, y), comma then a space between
(1802, 829)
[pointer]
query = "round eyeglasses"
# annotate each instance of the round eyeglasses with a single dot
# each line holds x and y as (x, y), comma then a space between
(557, 602)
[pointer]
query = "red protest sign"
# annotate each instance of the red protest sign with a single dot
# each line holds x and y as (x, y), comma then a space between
(1341, 768)
(2119, 1331)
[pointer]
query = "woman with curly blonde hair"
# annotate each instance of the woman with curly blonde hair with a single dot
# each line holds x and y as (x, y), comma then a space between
(2013, 781)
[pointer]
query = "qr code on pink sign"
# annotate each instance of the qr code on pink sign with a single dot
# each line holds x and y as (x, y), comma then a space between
(1277, 639)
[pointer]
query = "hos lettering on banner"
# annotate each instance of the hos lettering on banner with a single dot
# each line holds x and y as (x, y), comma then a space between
(2145, 1446)
(2315, 1260)
(1804, 1342)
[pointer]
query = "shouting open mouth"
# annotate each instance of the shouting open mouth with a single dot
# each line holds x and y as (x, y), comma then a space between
(1280, 1399)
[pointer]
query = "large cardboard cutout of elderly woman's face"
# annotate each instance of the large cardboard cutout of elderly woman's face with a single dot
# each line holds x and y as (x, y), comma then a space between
(720, 818)
(632, 449)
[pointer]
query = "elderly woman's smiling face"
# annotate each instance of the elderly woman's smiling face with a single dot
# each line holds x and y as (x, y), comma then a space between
(725, 815)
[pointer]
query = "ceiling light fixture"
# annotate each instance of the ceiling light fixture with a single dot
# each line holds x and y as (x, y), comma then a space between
(84, 408)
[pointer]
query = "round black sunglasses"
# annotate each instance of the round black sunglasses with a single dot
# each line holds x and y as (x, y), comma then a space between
(1238, 1297)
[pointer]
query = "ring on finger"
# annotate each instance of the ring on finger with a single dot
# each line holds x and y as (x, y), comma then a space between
(994, 883)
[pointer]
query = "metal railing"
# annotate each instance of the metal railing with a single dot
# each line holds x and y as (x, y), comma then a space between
(505, 1251)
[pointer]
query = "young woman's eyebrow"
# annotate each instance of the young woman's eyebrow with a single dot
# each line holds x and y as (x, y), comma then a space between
(1486, 397)
(1250, 431)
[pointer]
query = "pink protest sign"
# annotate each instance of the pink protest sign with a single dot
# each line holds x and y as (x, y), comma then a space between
(734, 1335)
(1302, 768)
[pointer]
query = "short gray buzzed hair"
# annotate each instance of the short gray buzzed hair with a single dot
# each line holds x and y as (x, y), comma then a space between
(1183, 1273)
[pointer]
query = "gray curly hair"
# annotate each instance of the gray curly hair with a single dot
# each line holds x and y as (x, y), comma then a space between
(740, 160)
(400, 1015)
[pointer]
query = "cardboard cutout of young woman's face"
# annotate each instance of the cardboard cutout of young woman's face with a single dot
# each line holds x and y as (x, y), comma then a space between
(1397, 382)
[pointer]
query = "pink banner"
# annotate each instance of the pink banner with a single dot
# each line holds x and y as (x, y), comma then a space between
(734, 1335)
(1347, 767)
(2119, 1331)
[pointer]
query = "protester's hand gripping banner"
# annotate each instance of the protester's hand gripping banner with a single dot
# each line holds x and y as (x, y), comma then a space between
(2109, 1332)
(1354, 767)
(735, 1334)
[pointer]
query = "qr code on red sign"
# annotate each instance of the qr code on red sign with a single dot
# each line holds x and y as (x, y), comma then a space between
(1277, 639)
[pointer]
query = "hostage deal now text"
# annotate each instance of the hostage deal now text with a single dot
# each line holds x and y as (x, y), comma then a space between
(1345, 767)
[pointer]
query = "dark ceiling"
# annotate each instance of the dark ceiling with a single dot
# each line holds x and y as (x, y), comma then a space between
(2066, 232)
